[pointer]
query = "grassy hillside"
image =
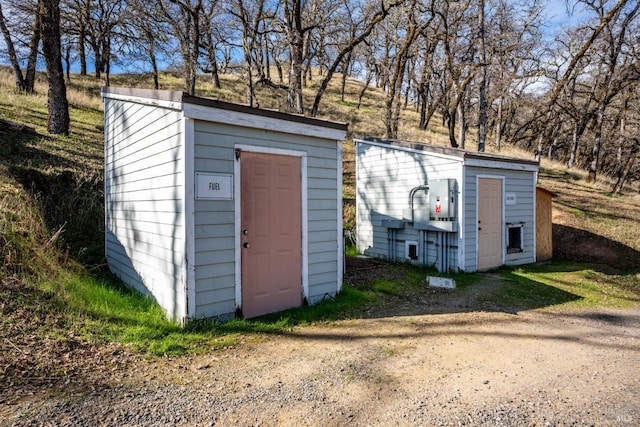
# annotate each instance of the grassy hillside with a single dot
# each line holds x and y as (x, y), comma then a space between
(56, 296)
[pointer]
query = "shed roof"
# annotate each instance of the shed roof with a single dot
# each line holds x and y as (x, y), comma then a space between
(464, 155)
(189, 103)
(544, 190)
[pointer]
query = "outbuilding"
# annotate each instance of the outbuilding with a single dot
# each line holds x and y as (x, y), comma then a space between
(454, 209)
(217, 209)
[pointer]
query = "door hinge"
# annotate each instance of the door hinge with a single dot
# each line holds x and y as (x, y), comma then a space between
(238, 151)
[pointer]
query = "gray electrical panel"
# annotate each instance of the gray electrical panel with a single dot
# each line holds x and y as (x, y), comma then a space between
(442, 197)
(441, 212)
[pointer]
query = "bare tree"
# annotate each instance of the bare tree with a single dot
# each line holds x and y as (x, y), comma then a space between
(250, 16)
(58, 106)
(184, 17)
(548, 111)
(295, 31)
(412, 30)
(13, 57)
(370, 22)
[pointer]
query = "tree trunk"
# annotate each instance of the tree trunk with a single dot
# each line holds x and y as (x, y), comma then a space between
(574, 146)
(82, 51)
(57, 104)
(628, 166)
(194, 51)
(295, 36)
(597, 145)
(82, 37)
(482, 96)
(107, 60)
(30, 75)
(153, 60)
(345, 70)
(462, 126)
(267, 57)
(213, 62)
(279, 69)
(67, 60)
(451, 125)
(364, 89)
(499, 124)
(12, 53)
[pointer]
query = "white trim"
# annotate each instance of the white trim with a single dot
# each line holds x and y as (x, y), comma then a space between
(519, 225)
(535, 216)
(340, 219)
(238, 214)
(237, 232)
(255, 121)
(188, 214)
(107, 200)
(357, 192)
(493, 164)
(269, 150)
(502, 227)
(409, 150)
(173, 105)
(462, 190)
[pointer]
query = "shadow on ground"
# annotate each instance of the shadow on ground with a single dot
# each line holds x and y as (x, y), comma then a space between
(605, 255)
(499, 291)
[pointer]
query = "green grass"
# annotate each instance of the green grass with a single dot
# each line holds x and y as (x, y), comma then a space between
(566, 286)
(100, 310)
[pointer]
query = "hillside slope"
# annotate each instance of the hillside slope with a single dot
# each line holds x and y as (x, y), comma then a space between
(52, 186)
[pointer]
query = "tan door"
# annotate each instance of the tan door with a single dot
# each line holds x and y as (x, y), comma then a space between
(271, 227)
(489, 223)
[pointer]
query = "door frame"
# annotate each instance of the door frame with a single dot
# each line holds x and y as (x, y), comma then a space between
(502, 234)
(237, 214)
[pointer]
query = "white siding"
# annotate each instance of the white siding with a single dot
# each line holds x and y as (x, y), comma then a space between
(215, 220)
(143, 200)
(386, 173)
(385, 176)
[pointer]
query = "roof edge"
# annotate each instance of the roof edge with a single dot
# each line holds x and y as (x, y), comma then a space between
(185, 98)
(155, 94)
(449, 151)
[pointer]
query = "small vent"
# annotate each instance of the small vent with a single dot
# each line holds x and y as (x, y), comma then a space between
(411, 250)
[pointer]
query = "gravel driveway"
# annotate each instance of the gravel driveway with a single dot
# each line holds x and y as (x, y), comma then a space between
(473, 368)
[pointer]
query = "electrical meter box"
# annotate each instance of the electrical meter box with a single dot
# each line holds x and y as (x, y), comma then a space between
(439, 213)
(442, 197)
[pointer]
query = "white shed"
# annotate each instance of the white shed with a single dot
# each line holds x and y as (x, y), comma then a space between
(457, 210)
(217, 209)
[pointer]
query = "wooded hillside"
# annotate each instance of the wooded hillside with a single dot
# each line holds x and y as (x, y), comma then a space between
(492, 72)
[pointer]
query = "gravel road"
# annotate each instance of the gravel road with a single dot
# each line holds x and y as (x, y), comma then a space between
(534, 368)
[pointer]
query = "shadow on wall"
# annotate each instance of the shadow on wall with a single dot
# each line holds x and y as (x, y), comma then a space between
(606, 255)
(126, 271)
